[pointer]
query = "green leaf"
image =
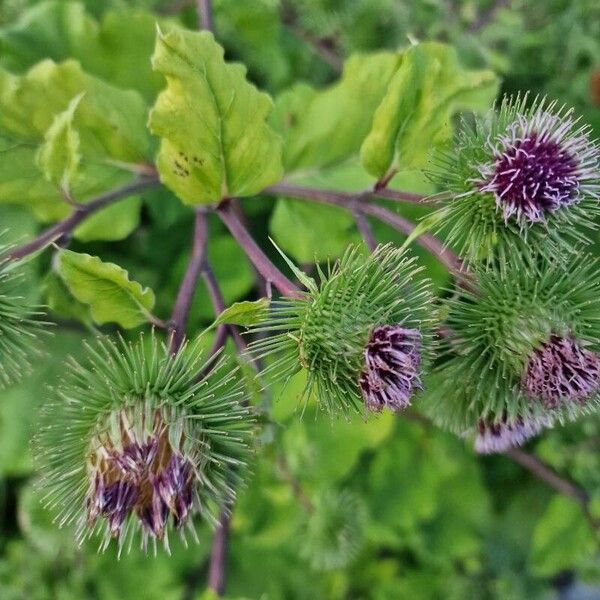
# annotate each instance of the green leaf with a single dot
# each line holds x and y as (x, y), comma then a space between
(561, 539)
(324, 128)
(106, 288)
(244, 313)
(110, 124)
(116, 48)
(115, 222)
(215, 140)
(310, 232)
(58, 156)
(60, 301)
(415, 114)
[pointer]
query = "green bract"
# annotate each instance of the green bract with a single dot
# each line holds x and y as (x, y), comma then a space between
(497, 326)
(328, 331)
(19, 326)
(136, 439)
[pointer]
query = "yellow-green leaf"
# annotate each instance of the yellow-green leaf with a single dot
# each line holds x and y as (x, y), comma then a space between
(105, 288)
(415, 114)
(244, 313)
(215, 141)
(58, 156)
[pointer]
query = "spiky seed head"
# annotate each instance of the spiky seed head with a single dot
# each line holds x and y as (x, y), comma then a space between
(21, 326)
(522, 345)
(332, 533)
(561, 370)
(362, 333)
(520, 174)
(138, 441)
(503, 434)
(392, 369)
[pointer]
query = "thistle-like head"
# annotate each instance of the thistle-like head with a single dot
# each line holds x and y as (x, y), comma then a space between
(362, 333)
(138, 440)
(522, 351)
(518, 174)
(561, 370)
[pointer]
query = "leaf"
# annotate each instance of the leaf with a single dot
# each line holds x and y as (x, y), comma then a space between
(110, 124)
(415, 113)
(561, 539)
(244, 313)
(116, 48)
(324, 128)
(115, 222)
(215, 140)
(106, 288)
(60, 301)
(310, 232)
(58, 157)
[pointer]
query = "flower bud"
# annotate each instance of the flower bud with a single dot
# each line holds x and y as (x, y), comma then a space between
(525, 176)
(522, 351)
(363, 334)
(137, 440)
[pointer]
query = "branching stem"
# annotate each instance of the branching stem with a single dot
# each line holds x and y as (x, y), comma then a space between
(189, 283)
(259, 259)
(80, 214)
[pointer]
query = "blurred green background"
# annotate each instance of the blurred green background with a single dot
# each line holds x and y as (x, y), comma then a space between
(432, 520)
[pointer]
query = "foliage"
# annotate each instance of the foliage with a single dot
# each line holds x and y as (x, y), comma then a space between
(338, 96)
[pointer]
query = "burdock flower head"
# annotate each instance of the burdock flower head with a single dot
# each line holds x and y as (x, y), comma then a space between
(138, 441)
(522, 352)
(362, 333)
(522, 173)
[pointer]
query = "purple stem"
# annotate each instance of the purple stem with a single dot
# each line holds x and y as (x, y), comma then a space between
(218, 555)
(300, 191)
(189, 283)
(365, 229)
(81, 212)
(205, 15)
(258, 258)
(357, 203)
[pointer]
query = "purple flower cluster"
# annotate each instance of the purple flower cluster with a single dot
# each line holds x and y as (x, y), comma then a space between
(391, 371)
(503, 434)
(561, 369)
(541, 164)
(149, 479)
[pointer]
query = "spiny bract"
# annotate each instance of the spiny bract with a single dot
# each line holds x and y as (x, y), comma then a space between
(521, 351)
(138, 440)
(523, 177)
(19, 325)
(363, 333)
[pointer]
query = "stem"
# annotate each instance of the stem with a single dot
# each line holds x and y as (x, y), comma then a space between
(300, 191)
(188, 284)
(365, 229)
(205, 15)
(82, 212)
(357, 202)
(218, 556)
(218, 303)
(258, 258)
(428, 241)
(545, 473)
